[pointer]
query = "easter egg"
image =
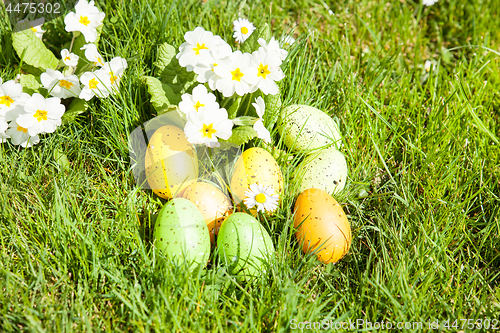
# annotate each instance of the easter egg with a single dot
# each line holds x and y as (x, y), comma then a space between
(322, 226)
(326, 170)
(255, 165)
(305, 127)
(171, 162)
(181, 233)
(244, 245)
(211, 202)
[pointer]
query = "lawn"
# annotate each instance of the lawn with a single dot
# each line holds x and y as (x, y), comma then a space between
(421, 143)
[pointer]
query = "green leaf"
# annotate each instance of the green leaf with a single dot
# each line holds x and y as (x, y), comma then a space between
(61, 159)
(273, 108)
(171, 73)
(29, 83)
(76, 107)
(32, 50)
(252, 44)
(242, 134)
(163, 98)
(233, 109)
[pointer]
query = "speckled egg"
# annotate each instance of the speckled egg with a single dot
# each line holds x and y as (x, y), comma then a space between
(322, 226)
(306, 127)
(255, 165)
(211, 202)
(171, 162)
(182, 234)
(244, 245)
(326, 170)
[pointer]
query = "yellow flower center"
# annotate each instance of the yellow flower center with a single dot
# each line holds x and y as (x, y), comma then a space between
(84, 20)
(260, 198)
(113, 78)
(65, 84)
(22, 129)
(6, 100)
(40, 115)
(34, 29)
(198, 105)
(199, 47)
(93, 83)
(208, 130)
(237, 74)
(213, 68)
(67, 58)
(263, 71)
(244, 30)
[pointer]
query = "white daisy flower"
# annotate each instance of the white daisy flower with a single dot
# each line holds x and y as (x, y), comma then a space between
(114, 69)
(243, 28)
(236, 74)
(59, 85)
(10, 93)
(262, 132)
(273, 46)
(92, 54)
(262, 196)
(19, 136)
(95, 84)
(42, 115)
(196, 48)
(207, 125)
(287, 41)
(268, 70)
(429, 2)
(199, 100)
(35, 26)
(69, 59)
(85, 19)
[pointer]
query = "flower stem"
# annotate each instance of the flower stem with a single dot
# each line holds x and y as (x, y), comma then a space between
(72, 41)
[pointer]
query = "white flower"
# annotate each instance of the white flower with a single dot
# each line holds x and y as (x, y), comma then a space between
(261, 196)
(86, 20)
(205, 68)
(42, 115)
(236, 74)
(206, 126)
(268, 70)
(10, 93)
(243, 28)
(19, 136)
(429, 2)
(92, 54)
(59, 85)
(95, 84)
(196, 48)
(262, 132)
(114, 69)
(273, 46)
(287, 41)
(35, 26)
(200, 100)
(69, 59)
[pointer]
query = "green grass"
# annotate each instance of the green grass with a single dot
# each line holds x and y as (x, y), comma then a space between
(422, 197)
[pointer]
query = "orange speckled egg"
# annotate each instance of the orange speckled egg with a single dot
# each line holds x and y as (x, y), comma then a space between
(212, 203)
(171, 162)
(322, 225)
(255, 165)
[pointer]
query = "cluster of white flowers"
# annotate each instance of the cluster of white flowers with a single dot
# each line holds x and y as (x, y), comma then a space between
(429, 2)
(24, 117)
(229, 72)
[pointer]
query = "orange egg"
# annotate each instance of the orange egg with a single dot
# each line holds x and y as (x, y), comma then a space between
(212, 203)
(322, 225)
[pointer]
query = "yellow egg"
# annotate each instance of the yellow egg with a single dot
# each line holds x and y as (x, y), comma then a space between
(322, 225)
(212, 203)
(255, 165)
(171, 162)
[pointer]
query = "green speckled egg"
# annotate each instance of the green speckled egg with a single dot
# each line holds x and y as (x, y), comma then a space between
(182, 234)
(244, 244)
(305, 127)
(325, 170)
